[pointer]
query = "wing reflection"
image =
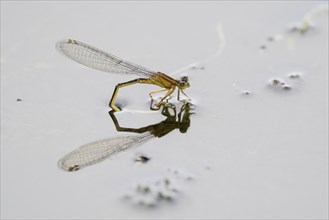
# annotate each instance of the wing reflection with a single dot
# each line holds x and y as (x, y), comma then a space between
(97, 151)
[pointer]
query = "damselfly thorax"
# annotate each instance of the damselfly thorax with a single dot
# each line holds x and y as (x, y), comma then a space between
(100, 60)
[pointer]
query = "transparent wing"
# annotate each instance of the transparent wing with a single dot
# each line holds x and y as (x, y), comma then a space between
(95, 58)
(98, 151)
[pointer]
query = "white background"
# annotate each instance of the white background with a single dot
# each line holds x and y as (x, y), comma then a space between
(263, 155)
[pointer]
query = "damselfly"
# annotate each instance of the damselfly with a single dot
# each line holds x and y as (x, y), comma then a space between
(100, 60)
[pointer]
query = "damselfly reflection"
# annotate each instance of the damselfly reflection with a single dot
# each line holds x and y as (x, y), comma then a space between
(180, 121)
(100, 60)
(98, 151)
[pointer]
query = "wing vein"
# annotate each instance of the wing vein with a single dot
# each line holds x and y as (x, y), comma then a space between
(97, 59)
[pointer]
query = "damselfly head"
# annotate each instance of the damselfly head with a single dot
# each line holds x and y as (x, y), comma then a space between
(183, 82)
